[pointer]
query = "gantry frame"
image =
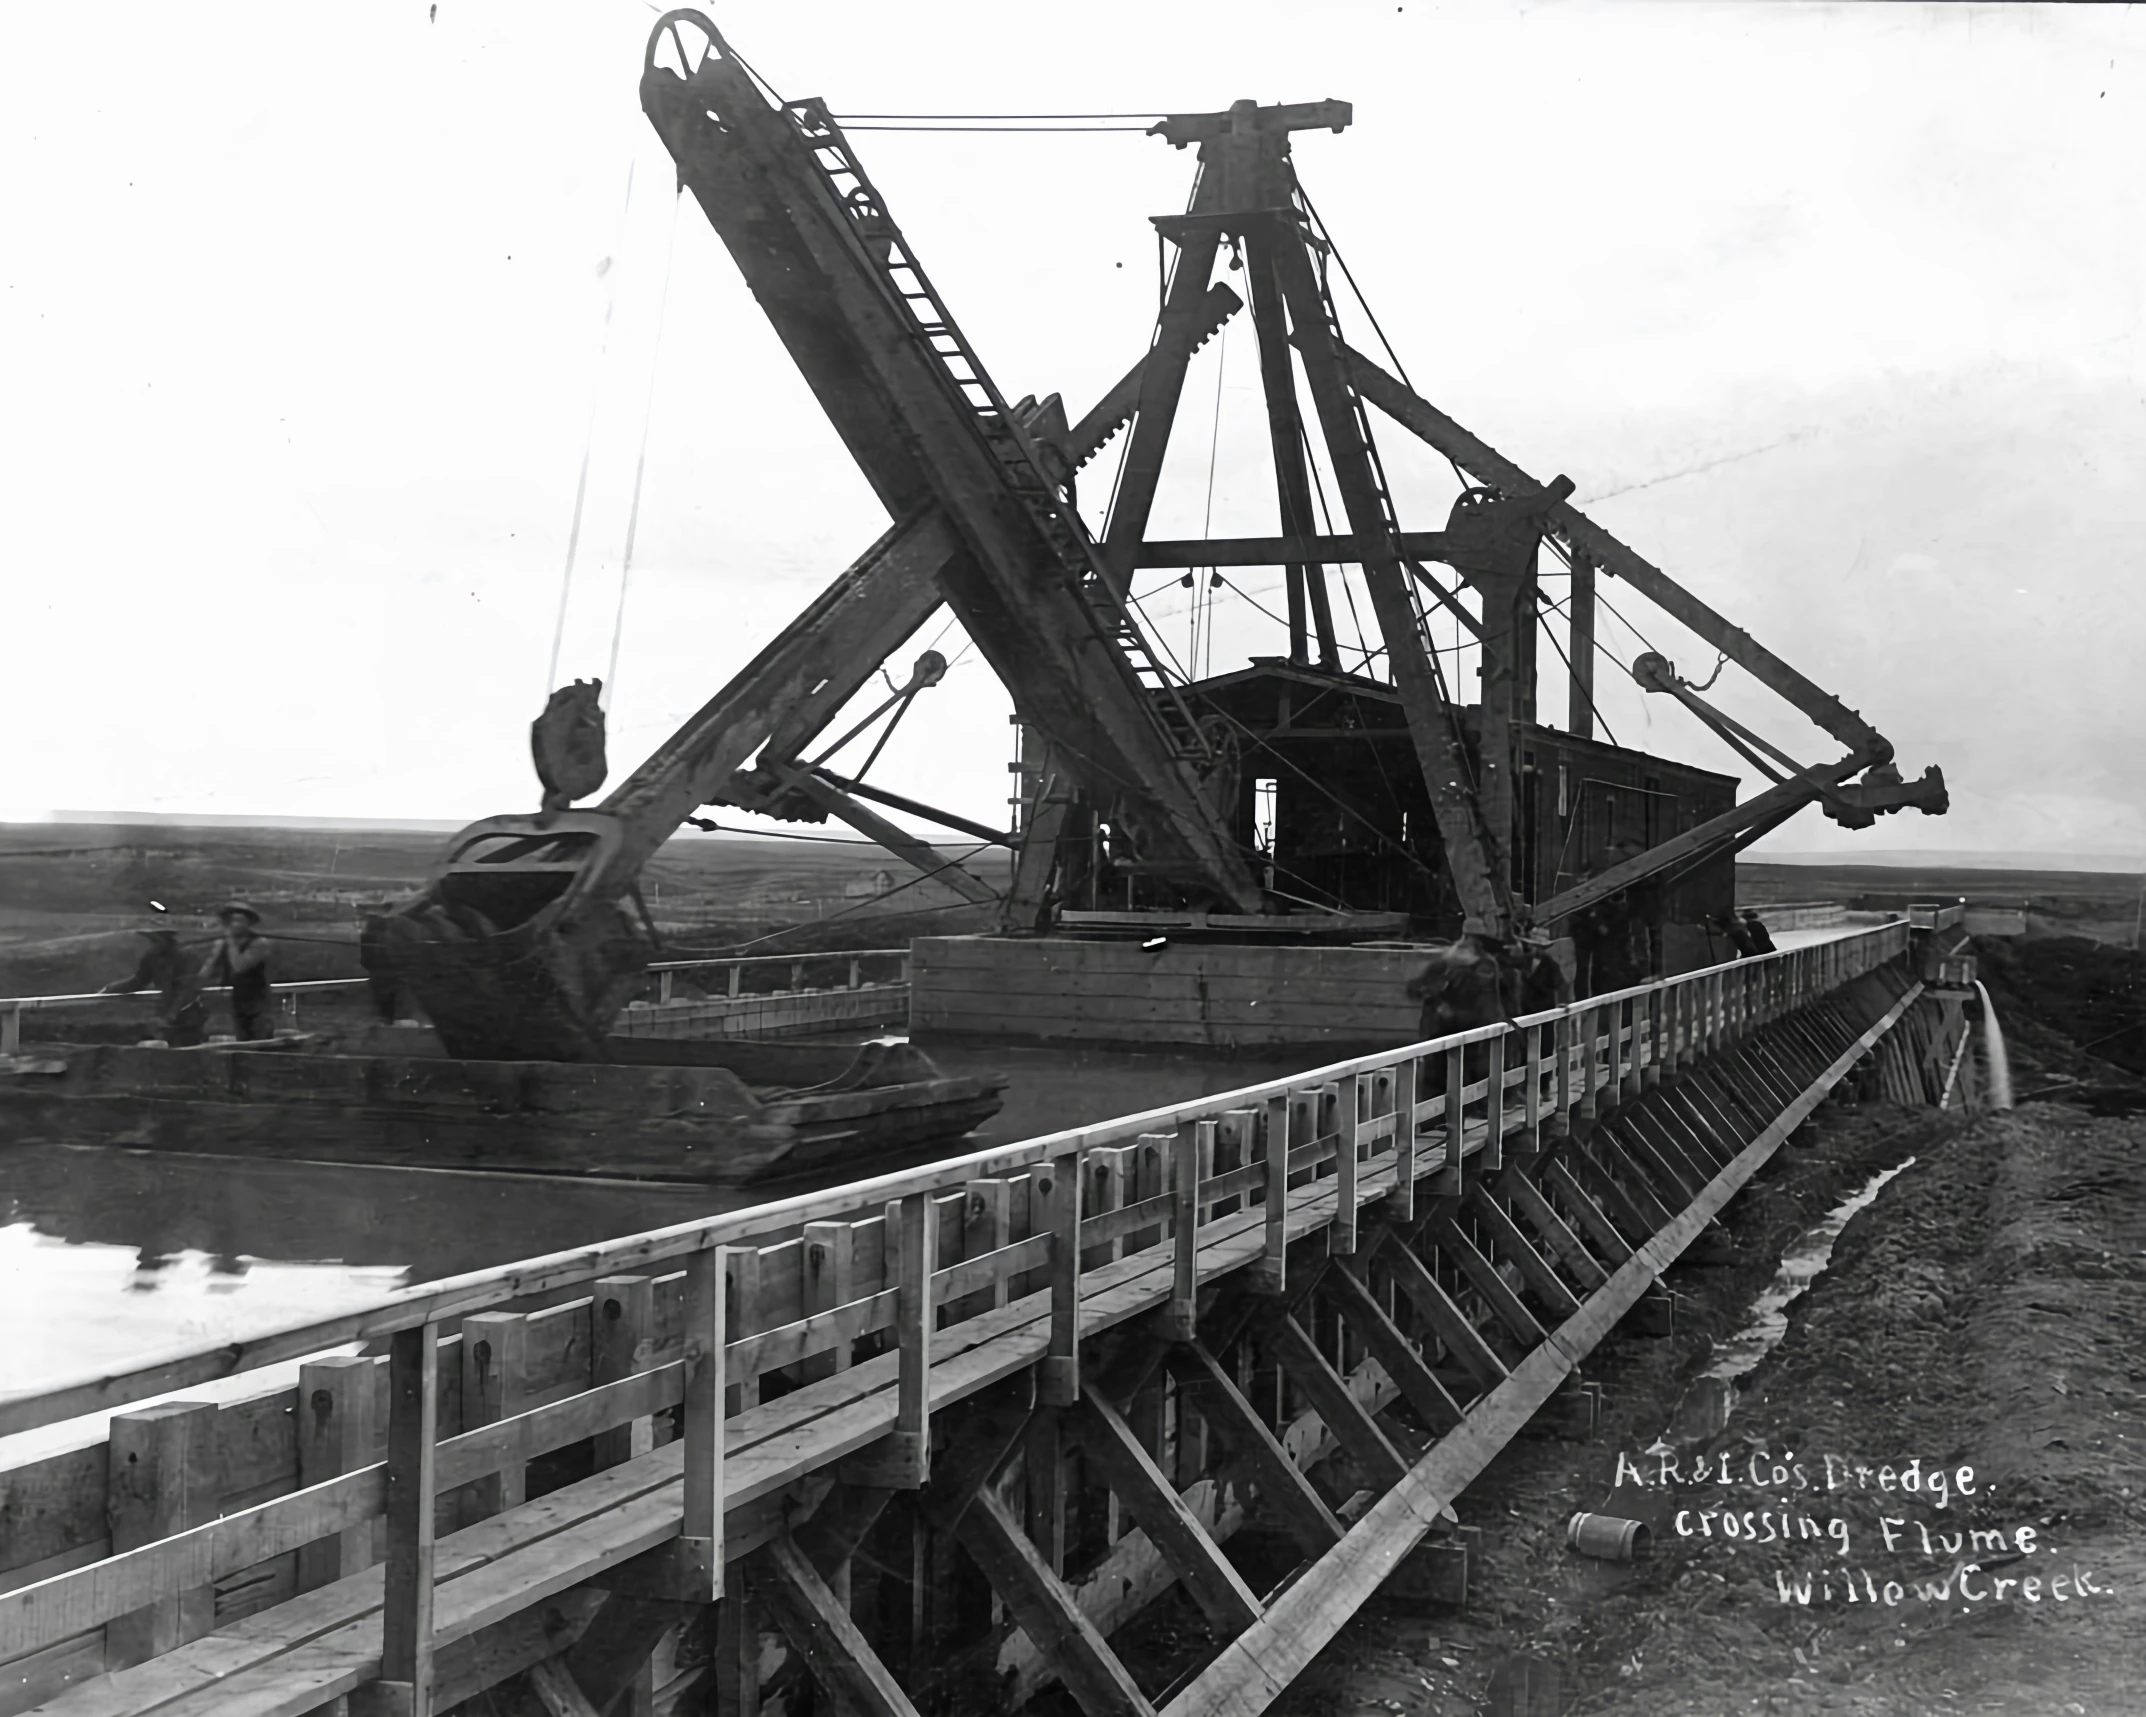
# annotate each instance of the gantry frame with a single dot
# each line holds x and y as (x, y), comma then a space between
(523, 942)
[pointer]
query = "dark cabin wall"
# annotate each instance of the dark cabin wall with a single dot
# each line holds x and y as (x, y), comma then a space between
(1579, 798)
(1353, 824)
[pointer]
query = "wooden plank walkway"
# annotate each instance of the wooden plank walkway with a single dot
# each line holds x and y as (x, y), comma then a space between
(1403, 1256)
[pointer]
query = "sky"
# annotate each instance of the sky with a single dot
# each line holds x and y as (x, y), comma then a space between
(310, 319)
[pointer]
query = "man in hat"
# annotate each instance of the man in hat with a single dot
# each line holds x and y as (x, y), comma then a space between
(1755, 928)
(1464, 986)
(240, 959)
(1604, 937)
(165, 967)
(1726, 937)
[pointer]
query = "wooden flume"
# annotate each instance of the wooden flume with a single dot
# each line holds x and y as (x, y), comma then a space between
(1314, 1308)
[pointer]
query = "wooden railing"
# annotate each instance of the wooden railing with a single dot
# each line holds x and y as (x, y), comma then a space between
(13, 1008)
(1033, 1236)
(860, 967)
(735, 966)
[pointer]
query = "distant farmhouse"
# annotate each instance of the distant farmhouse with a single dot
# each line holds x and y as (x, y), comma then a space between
(869, 887)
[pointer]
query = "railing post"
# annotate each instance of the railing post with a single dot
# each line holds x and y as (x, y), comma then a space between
(622, 1344)
(1584, 1103)
(11, 1031)
(1105, 1176)
(663, 985)
(1341, 1238)
(741, 1318)
(162, 1481)
(1561, 1035)
(1237, 1140)
(336, 1419)
(1194, 1141)
(1404, 1139)
(405, 1685)
(1531, 1103)
(706, 1325)
(1273, 1273)
(495, 1385)
(1493, 1157)
(1153, 1174)
(902, 1459)
(1058, 1186)
(914, 1317)
(1453, 1178)
(737, 979)
(856, 973)
(987, 1225)
(622, 1331)
(830, 1280)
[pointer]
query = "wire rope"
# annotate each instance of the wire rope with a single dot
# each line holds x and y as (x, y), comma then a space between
(983, 130)
(588, 446)
(1364, 304)
(640, 462)
(1207, 517)
(1038, 118)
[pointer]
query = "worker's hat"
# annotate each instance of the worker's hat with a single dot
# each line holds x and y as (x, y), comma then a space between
(237, 909)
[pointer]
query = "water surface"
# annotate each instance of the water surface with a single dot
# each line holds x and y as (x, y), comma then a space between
(112, 1256)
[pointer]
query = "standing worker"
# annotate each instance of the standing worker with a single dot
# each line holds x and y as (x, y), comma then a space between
(1731, 931)
(1591, 930)
(1755, 928)
(165, 967)
(1464, 986)
(1649, 909)
(241, 960)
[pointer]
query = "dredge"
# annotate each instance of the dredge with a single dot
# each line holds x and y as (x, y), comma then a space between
(1294, 798)
(936, 1441)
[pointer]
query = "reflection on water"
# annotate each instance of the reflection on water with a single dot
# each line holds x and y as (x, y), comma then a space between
(111, 1256)
(94, 1306)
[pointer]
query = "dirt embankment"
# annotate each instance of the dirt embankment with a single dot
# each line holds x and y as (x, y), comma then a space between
(2075, 998)
(1983, 1317)
(1985, 1313)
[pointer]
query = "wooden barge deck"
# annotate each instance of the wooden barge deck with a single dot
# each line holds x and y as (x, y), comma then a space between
(708, 1112)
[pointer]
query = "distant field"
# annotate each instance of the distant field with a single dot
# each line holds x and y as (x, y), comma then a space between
(2103, 906)
(72, 895)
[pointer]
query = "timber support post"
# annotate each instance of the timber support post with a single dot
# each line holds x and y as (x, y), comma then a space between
(337, 1423)
(405, 1686)
(163, 1481)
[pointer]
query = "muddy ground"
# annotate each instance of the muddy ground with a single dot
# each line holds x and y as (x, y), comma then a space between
(1986, 1311)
